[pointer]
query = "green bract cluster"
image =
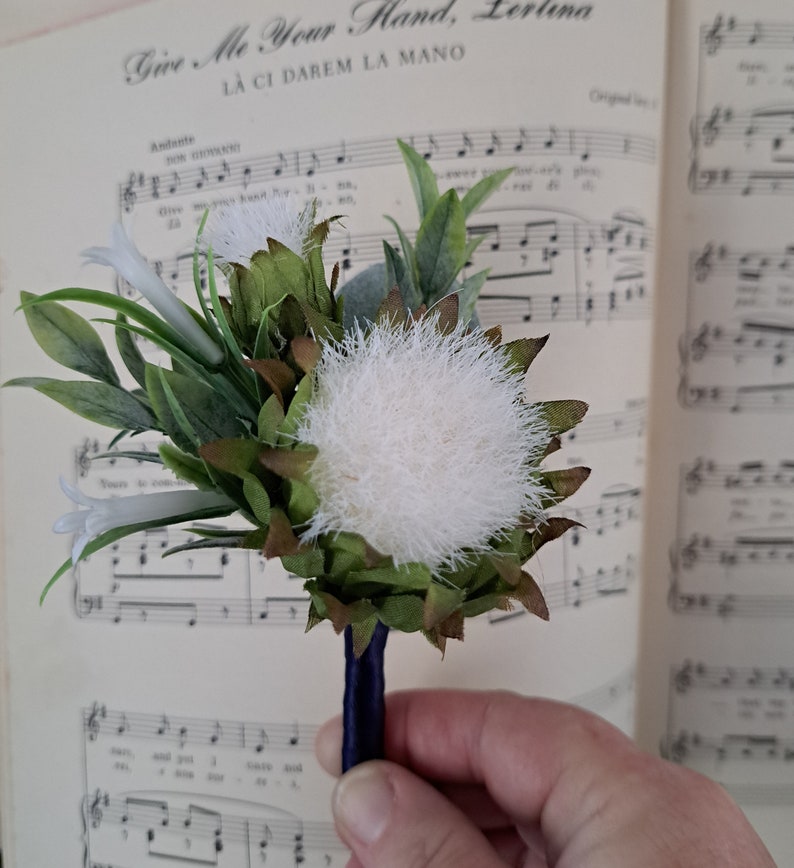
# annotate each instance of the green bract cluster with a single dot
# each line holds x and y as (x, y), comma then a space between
(230, 419)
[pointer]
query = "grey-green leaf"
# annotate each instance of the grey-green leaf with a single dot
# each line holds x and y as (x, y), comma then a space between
(440, 247)
(69, 339)
(99, 402)
(208, 413)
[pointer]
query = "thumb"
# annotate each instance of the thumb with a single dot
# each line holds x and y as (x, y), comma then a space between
(390, 818)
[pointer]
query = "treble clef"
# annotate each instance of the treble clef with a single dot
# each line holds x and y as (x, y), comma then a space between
(128, 195)
(683, 677)
(713, 38)
(711, 127)
(703, 263)
(95, 811)
(93, 725)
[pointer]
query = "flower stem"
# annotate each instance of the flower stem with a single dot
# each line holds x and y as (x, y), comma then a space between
(363, 711)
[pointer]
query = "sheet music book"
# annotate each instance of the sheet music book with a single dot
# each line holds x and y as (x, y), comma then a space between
(161, 711)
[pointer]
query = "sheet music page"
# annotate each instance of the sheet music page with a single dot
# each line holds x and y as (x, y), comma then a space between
(718, 657)
(161, 712)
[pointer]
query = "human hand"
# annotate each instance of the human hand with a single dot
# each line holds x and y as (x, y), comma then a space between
(488, 780)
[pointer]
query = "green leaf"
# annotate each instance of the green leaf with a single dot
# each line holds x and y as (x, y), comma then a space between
(566, 482)
(289, 463)
(553, 528)
(130, 354)
(409, 255)
(405, 577)
(118, 533)
(69, 339)
(440, 603)
(469, 292)
(297, 407)
(99, 402)
(257, 498)
(185, 467)
(440, 247)
(271, 416)
(307, 564)
(161, 332)
(281, 539)
(403, 612)
(219, 310)
(234, 455)
(561, 416)
(423, 178)
(206, 412)
(482, 190)
(398, 274)
(302, 502)
(522, 352)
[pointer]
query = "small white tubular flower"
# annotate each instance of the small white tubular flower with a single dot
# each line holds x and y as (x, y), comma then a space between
(425, 444)
(237, 232)
(104, 514)
(127, 261)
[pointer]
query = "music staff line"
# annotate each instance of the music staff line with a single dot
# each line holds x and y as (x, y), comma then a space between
(585, 588)
(615, 508)
(699, 676)
(745, 266)
(307, 162)
(704, 473)
(688, 746)
(293, 611)
(99, 721)
(743, 182)
(731, 605)
(761, 397)
(546, 239)
(631, 302)
(753, 339)
(768, 124)
(768, 548)
(261, 834)
(598, 427)
(729, 33)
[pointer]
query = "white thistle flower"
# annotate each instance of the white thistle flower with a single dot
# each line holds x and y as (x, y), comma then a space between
(124, 257)
(106, 513)
(425, 444)
(237, 232)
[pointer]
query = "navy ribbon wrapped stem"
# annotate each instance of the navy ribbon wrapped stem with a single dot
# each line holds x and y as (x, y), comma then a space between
(363, 709)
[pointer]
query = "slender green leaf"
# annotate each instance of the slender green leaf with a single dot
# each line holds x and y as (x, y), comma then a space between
(482, 190)
(130, 354)
(111, 536)
(423, 179)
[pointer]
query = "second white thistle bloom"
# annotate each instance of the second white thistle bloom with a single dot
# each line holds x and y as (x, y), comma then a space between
(237, 232)
(425, 444)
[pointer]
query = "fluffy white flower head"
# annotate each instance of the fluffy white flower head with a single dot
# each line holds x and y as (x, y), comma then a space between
(238, 231)
(425, 444)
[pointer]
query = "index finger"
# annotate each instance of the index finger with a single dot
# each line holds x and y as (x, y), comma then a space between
(518, 748)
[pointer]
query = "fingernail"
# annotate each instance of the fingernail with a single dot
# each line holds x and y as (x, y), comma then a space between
(362, 802)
